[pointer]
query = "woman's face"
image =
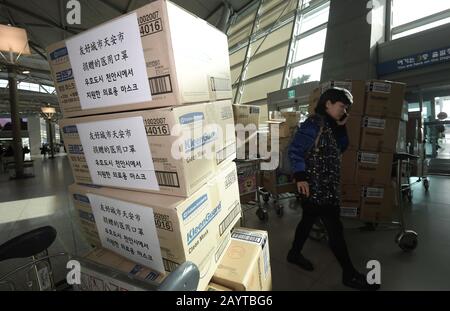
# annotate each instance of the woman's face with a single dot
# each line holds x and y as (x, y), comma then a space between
(336, 110)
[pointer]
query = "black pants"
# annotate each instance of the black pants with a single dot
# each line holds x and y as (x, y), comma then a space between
(330, 216)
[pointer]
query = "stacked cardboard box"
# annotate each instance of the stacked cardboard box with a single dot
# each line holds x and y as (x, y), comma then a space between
(246, 263)
(380, 131)
(149, 130)
(373, 128)
(196, 228)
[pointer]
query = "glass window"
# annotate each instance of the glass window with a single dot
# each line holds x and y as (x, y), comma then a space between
(47, 88)
(3, 83)
(311, 45)
(314, 18)
(406, 11)
(307, 72)
(28, 86)
(421, 28)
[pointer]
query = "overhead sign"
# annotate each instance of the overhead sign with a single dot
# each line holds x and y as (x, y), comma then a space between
(415, 61)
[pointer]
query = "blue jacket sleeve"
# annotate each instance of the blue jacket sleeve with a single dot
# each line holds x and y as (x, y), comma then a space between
(304, 139)
(342, 138)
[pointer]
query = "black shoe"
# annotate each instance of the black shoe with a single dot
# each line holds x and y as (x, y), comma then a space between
(299, 260)
(358, 281)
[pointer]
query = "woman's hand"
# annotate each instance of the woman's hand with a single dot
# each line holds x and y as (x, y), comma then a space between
(342, 122)
(303, 188)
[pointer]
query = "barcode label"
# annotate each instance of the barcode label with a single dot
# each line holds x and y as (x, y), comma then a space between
(220, 84)
(254, 110)
(160, 85)
(169, 266)
(379, 87)
(349, 211)
(236, 211)
(152, 276)
(367, 157)
(342, 84)
(169, 179)
(371, 192)
(221, 249)
(226, 152)
(375, 123)
(226, 113)
(247, 236)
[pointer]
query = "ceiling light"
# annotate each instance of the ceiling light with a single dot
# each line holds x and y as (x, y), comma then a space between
(25, 72)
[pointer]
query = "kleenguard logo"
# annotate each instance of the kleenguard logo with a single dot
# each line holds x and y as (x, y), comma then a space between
(194, 206)
(192, 117)
(195, 231)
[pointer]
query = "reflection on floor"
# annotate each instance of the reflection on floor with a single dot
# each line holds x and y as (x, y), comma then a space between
(43, 200)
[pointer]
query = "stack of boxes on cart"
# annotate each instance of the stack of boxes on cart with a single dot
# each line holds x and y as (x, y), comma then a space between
(147, 123)
(259, 144)
(367, 191)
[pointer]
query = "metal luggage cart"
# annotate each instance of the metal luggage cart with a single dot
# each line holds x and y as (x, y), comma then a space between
(406, 239)
(39, 274)
(278, 190)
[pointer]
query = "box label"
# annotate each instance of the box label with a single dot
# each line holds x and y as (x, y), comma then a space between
(375, 123)
(118, 154)
(379, 87)
(368, 157)
(127, 229)
(349, 211)
(108, 64)
(342, 84)
(372, 192)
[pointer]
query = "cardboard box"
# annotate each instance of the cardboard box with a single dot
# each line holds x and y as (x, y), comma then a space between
(247, 114)
(246, 263)
(216, 287)
(94, 280)
(181, 164)
(384, 99)
(353, 125)
(348, 166)
(350, 199)
(374, 167)
(220, 119)
(356, 87)
(314, 99)
(283, 129)
(292, 118)
(194, 229)
(184, 60)
(378, 203)
(379, 134)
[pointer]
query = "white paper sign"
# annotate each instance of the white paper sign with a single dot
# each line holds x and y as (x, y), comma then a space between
(117, 153)
(108, 64)
(127, 229)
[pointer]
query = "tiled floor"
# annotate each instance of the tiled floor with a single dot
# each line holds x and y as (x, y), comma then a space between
(30, 203)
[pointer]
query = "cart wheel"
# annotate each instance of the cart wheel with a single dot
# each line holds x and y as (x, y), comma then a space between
(407, 240)
(262, 214)
(426, 184)
(266, 197)
(279, 210)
